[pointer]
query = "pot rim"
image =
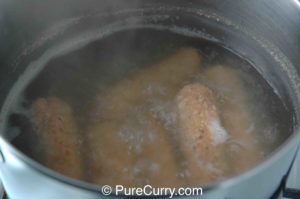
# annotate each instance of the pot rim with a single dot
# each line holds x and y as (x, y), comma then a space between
(275, 156)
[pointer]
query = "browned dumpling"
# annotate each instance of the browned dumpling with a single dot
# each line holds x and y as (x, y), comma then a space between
(233, 105)
(57, 133)
(113, 161)
(201, 133)
(109, 160)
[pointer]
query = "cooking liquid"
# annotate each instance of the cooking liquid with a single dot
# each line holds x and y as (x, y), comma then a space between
(145, 139)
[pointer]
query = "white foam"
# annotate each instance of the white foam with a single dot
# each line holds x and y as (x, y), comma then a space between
(219, 134)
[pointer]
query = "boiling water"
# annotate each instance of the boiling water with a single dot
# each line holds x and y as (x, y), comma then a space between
(84, 78)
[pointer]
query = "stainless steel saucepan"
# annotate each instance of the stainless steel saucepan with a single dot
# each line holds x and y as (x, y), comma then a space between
(265, 32)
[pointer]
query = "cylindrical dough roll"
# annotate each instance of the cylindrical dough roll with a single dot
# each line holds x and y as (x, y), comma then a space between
(57, 132)
(233, 105)
(109, 159)
(201, 134)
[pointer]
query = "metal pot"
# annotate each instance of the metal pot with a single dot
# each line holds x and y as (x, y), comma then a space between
(266, 33)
